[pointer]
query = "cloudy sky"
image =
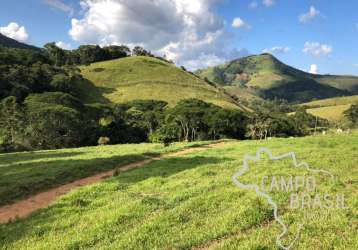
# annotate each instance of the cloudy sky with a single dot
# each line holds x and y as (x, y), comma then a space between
(319, 36)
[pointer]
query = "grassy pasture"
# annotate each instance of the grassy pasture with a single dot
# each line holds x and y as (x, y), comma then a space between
(23, 174)
(331, 113)
(139, 77)
(332, 101)
(331, 109)
(190, 202)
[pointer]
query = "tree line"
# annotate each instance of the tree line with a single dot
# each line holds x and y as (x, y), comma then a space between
(58, 120)
(86, 54)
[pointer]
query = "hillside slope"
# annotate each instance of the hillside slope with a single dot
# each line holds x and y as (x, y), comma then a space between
(332, 108)
(332, 101)
(11, 43)
(270, 78)
(134, 78)
(331, 113)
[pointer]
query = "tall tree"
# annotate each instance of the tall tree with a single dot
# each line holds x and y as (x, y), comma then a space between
(56, 54)
(352, 114)
(12, 120)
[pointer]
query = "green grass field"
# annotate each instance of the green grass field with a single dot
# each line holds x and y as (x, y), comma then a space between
(190, 202)
(135, 78)
(331, 113)
(331, 109)
(22, 174)
(345, 100)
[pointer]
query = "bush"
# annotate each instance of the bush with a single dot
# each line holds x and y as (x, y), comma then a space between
(352, 114)
(166, 134)
(103, 141)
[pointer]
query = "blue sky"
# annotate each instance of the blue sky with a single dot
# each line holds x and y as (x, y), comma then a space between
(327, 29)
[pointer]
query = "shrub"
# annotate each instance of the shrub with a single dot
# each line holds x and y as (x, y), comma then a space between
(166, 134)
(103, 140)
(352, 114)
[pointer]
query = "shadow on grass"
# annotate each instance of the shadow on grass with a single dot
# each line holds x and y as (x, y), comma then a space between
(22, 180)
(13, 158)
(18, 181)
(42, 221)
(90, 93)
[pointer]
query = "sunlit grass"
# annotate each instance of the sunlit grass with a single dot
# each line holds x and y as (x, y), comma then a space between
(22, 174)
(139, 77)
(331, 113)
(190, 202)
(333, 101)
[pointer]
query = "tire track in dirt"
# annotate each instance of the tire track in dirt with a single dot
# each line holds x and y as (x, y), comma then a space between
(23, 208)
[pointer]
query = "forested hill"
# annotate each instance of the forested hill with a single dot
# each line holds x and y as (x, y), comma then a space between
(265, 76)
(11, 43)
(123, 96)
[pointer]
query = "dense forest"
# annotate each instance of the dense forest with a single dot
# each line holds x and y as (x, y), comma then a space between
(40, 107)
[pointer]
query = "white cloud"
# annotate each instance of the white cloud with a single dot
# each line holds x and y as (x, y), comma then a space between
(355, 65)
(58, 4)
(204, 61)
(311, 14)
(253, 5)
(239, 23)
(314, 69)
(182, 29)
(317, 49)
(268, 3)
(15, 31)
(64, 45)
(210, 60)
(277, 50)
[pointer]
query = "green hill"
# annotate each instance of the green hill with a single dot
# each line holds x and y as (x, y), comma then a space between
(269, 78)
(134, 78)
(12, 43)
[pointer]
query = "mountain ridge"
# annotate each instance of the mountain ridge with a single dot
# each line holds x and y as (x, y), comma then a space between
(270, 78)
(12, 43)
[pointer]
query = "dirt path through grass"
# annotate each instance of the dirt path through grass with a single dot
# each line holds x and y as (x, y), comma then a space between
(23, 208)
